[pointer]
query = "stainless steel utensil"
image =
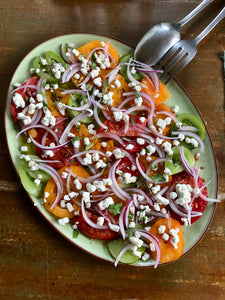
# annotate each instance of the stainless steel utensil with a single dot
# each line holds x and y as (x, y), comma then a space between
(185, 50)
(161, 37)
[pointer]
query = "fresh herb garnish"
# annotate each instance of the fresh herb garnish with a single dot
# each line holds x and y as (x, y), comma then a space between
(89, 146)
(105, 86)
(75, 233)
(158, 178)
(76, 138)
(115, 209)
(126, 139)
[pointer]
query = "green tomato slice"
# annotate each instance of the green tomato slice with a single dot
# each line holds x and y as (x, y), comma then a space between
(176, 165)
(128, 257)
(190, 120)
(28, 177)
(73, 113)
(123, 70)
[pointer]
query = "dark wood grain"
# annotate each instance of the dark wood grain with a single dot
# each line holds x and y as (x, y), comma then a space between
(36, 262)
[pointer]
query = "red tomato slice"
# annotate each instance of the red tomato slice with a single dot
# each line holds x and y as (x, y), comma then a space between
(199, 204)
(24, 93)
(63, 154)
(87, 230)
(125, 166)
(116, 127)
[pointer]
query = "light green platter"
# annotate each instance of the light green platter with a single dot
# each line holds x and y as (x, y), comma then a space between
(193, 234)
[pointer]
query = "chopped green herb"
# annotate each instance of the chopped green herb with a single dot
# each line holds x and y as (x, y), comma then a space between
(75, 233)
(105, 86)
(88, 147)
(140, 182)
(93, 65)
(158, 178)
(132, 120)
(137, 94)
(115, 209)
(76, 138)
(130, 216)
(126, 139)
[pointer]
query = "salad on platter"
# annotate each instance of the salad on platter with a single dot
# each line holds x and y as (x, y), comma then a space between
(105, 154)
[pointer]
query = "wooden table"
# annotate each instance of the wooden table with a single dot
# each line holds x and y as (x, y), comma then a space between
(36, 262)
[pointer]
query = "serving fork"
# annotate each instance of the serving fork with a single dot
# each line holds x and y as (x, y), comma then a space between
(179, 55)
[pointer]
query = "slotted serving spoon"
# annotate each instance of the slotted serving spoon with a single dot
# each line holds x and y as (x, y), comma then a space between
(162, 36)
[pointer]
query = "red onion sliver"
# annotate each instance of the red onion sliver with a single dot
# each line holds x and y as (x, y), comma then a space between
(192, 134)
(153, 239)
(88, 221)
(122, 251)
(58, 180)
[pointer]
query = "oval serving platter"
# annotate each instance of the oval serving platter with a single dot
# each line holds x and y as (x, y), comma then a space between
(193, 234)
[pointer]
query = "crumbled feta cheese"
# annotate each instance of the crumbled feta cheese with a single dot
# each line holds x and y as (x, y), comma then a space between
(162, 229)
(100, 221)
(105, 203)
(145, 256)
(136, 241)
(63, 221)
(155, 189)
(140, 141)
(70, 207)
(114, 227)
(118, 153)
(18, 100)
(78, 184)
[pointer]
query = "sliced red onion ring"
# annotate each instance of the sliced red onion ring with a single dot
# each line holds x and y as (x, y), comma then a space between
(78, 154)
(97, 119)
(188, 128)
(114, 186)
(184, 162)
(121, 223)
(126, 101)
(79, 108)
(110, 135)
(105, 51)
(24, 87)
(40, 84)
(111, 75)
(52, 132)
(129, 75)
(208, 199)
(152, 239)
(180, 213)
(71, 70)
(58, 180)
(192, 134)
(126, 213)
(157, 161)
(167, 113)
(43, 147)
(147, 178)
(121, 253)
(72, 123)
(137, 108)
(88, 221)
(139, 191)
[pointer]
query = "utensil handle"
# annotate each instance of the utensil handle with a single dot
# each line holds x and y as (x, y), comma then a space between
(214, 22)
(194, 12)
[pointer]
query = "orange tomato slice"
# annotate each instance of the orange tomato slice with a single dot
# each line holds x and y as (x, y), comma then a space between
(51, 189)
(159, 97)
(88, 47)
(168, 251)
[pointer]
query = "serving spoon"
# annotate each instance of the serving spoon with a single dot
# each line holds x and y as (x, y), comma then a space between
(162, 36)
